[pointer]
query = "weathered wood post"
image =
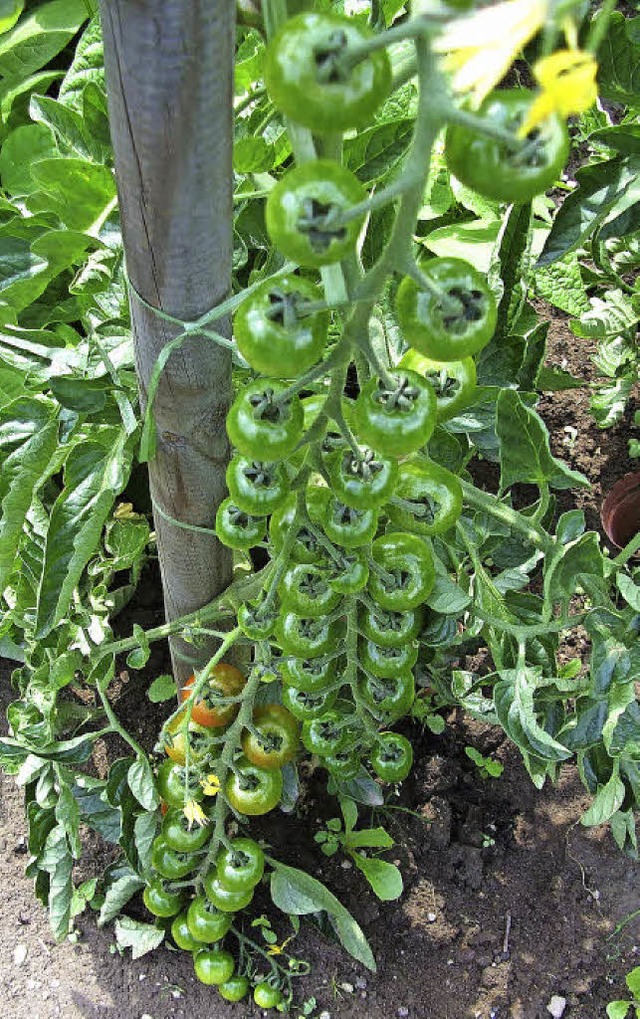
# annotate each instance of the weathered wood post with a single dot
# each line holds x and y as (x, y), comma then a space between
(169, 66)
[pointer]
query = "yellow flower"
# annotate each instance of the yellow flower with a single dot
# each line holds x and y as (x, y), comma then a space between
(195, 814)
(568, 85)
(480, 49)
(279, 949)
(210, 785)
(124, 511)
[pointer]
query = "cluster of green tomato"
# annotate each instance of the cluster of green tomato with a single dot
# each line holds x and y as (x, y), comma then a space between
(181, 857)
(348, 493)
(199, 924)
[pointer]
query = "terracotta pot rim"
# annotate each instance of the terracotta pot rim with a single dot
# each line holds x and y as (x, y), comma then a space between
(620, 511)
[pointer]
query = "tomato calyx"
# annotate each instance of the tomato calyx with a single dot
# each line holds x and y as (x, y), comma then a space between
(318, 223)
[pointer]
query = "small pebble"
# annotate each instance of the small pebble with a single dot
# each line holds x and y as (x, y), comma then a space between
(19, 955)
(346, 987)
(325, 1015)
(403, 1012)
(432, 917)
(361, 983)
(557, 1006)
(346, 865)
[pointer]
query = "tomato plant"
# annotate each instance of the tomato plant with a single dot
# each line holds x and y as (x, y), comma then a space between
(381, 357)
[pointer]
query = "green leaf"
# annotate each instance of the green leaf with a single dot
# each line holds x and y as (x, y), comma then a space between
(349, 810)
(28, 439)
(252, 155)
(40, 36)
(447, 597)
(69, 751)
(68, 817)
(604, 189)
(141, 938)
(95, 473)
(619, 60)
(474, 242)
(608, 799)
(370, 838)
(384, 878)
(162, 689)
(144, 831)
(76, 191)
(375, 152)
(20, 150)
(57, 861)
(142, 784)
(295, 892)
(69, 128)
(10, 11)
(618, 1009)
(629, 591)
(525, 454)
(608, 316)
(90, 796)
(509, 266)
(515, 707)
(138, 658)
(561, 285)
(581, 558)
(118, 894)
(633, 982)
(87, 68)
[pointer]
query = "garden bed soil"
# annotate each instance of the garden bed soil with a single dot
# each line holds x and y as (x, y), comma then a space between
(508, 900)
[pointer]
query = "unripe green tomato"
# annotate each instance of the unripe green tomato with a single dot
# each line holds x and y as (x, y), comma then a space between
(181, 934)
(206, 922)
(266, 995)
(213, 966)
(235, 988)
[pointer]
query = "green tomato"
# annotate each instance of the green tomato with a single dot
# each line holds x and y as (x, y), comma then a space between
(266, 995)
(255, 487)
(310, 78)
(263, 423)
(387, 661)
(454, 382)
(275, 333)
(508, 172)
(362, 482)
(388, 628)
(171, 785)
(206, 922)
(305, 705)
(240, 866)
(168, 862)
(391, 697)
(302, 207)
(432, 498)
(214, 966)
(454, 317)
(392, 757)
(235, 988)
(252, 790)
(160, 900)
(181, 835)
(406, 574)
(225, 899)
(181, 934)
(396, 419)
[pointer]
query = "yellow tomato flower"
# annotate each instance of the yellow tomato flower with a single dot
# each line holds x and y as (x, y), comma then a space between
(279, 949)
(479, 49)
(211, 785)
(195, 814)
(567, 82)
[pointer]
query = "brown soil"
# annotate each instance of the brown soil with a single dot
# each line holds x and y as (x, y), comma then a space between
(508, 900)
